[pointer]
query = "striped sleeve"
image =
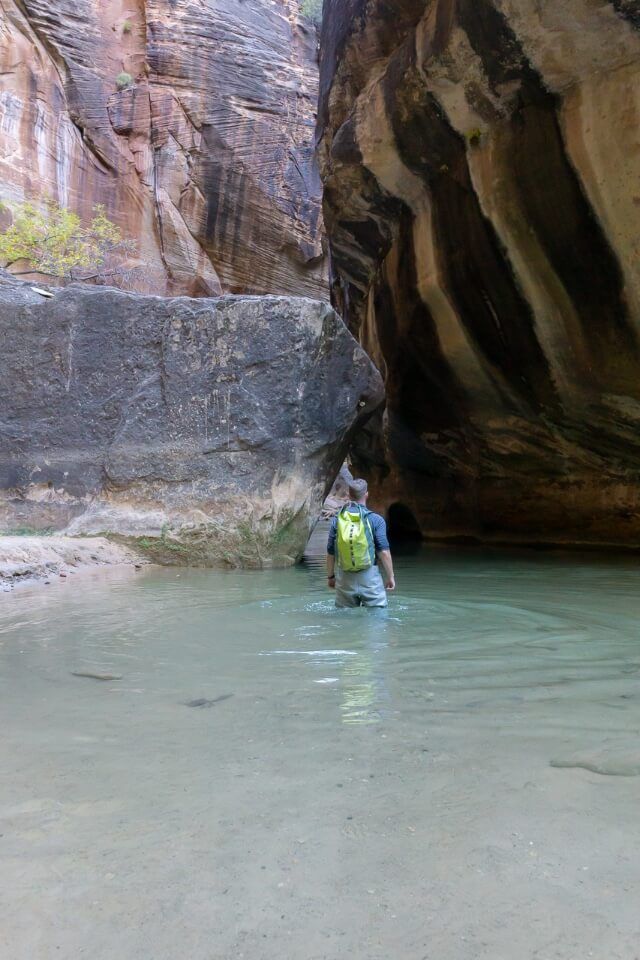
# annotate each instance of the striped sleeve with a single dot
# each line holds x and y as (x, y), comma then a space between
(379, 530)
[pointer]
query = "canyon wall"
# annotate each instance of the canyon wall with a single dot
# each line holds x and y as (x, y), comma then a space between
(204, 156)
(198, 430)
(481, 162)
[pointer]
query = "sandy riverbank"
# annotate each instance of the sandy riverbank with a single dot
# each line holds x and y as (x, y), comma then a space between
(40, 559)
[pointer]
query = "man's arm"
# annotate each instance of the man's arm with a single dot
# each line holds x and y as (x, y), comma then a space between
(383, 552)
(384, 558)
(331, 555)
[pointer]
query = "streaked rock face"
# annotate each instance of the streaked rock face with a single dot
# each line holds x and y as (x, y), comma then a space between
(203, 430)
(481, 161)
(206, 159)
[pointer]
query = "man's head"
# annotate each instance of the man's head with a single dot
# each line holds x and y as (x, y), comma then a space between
(358, 491)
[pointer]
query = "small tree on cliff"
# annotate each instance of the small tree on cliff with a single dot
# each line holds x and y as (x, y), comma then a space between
(53, 242)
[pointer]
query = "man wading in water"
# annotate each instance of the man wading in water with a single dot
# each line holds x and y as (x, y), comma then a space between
(358, 540)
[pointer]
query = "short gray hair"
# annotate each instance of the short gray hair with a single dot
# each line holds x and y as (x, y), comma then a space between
(357, 489)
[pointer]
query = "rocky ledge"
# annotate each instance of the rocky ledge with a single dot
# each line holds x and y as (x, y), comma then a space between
(196, 431)
(481, 170)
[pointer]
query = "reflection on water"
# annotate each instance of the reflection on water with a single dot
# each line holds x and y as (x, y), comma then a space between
(360, 671)
(365, 695)
(470, 755)
(363, 690)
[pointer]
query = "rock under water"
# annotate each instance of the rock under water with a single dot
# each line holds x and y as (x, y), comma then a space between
(201, 431)
(613, 758)
(481, 170)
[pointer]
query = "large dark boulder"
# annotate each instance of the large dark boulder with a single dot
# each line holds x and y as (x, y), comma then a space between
(204, 430)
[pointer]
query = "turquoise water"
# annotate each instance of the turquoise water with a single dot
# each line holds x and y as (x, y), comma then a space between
(456, 777)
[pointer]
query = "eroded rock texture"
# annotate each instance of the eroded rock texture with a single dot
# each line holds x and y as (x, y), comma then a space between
(205, 430)
(206, 159)
(481, 161)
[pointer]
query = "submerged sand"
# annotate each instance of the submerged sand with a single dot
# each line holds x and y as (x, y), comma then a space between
(220, 766)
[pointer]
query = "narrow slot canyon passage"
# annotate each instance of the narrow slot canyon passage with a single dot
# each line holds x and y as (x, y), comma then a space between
(243, 242)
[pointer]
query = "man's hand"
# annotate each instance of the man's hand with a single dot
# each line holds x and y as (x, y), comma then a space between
(331, 571)
(387, 566)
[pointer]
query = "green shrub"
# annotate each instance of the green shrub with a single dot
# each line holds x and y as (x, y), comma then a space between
(53, 241)
(124, 80)
(127, 26)
(312, 10)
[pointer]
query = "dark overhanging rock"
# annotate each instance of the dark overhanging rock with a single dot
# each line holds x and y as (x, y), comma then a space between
(481, 207)
(202, 431)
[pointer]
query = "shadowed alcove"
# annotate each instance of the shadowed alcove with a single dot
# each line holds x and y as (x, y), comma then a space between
(402, 526)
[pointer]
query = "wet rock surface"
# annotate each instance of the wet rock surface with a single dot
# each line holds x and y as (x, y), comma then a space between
(193, 123)
(481, 165)
(202, 431)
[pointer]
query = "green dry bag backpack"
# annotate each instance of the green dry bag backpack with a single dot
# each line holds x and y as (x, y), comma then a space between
(354, 539)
